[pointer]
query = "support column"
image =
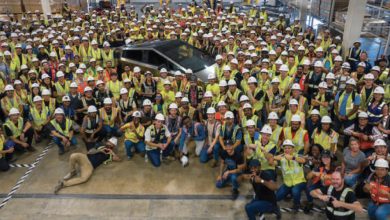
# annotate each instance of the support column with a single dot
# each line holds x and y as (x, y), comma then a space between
(302, 5)
(46, 9)
(354, 23)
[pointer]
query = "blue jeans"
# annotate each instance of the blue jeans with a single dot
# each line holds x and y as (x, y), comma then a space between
(112, 131)
(58, 141)
(351, 180)
(231, 178)
(378, 212)
(204, 156)
(256, 207)
(140, 147)
(311, 188)
(296, 190)
(155, 154)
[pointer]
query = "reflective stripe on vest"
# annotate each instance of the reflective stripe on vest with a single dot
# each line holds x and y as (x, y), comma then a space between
(292, 172)
(68, 124)
(108, 119)
(349, 106)
(16, 131)
(39, 118)
(298, 139)
(342, 199)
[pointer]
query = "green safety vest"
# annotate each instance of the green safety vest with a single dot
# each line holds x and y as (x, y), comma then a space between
(260, 155)
(39, 117)
(16, 130)
(292, 172)
(235, 130)
(350, 104)
(298, 139)
(68, 125)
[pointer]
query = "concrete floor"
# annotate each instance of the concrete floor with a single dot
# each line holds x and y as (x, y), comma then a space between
(123, 190)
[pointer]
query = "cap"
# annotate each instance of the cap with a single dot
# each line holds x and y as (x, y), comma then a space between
(326, 153)
(92, 109)
(66, 99)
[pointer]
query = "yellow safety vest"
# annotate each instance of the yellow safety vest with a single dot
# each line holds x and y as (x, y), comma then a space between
(289, 116)
(275, 135)
(57, 126)
(292, 172)
(39, 117)
(2, 141)
(115, 88)
(234, 97)
(16, 130)
(298, 139)
(61, 89)
(130, 135)
(323, 110)
(109, 119)
(324, 139)
(8, 103)
(349, 106)
(261, 156)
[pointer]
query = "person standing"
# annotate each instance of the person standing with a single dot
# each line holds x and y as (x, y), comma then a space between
(341, 202)
(264, 187)
(378, 185)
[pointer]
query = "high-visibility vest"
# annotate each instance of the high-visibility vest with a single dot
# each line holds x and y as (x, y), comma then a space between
(2, 141)
(339, 211)
(236, 128)
(244, 119)
(95, 53)
(289, 116)
(109, 119)
(324, 139)
(61, 89)
(51, 106)
(350, 104)
(16, 130)
(299, 137)
(8, 103)
(39, 117)
(292, 172)
(235, 97)
(115, 88)
(276, 134)
(323, 110)
(57, 126)
(365, 100)
(248, 139)
(130, 135)
(376, 189)
(261, 156)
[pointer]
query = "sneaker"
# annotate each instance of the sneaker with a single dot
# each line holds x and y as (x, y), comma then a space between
(235, 194)
(70, 175)
(58, 187)
(278, 213)
(213, 163)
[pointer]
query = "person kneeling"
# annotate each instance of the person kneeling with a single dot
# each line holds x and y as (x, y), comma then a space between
(62, 131)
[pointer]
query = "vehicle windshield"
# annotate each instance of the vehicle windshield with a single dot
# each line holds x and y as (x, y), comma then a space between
(186, 55)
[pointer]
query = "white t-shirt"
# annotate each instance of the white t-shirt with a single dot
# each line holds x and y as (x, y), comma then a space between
(149, 138)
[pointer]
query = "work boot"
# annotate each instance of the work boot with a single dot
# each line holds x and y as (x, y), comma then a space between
(235, 194)
(278, 213)
(308, 207)
(70, 175)
(213, 163)
(295, 208)
(58, 187)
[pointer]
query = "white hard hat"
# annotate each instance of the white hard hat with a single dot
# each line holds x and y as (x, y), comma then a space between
(314, 112)
(100, 82)
(87, 89)
(379, 142)
(318, 63)
(250, 122)
(178, 95)
(323, 85)
(382, 163)
(226, 68)
(124, 91)
(338, 59)
(369, 76)
(379, 90)
(247, 105)
(211, 76)
(330, 76)
(13, 111)
(173, 106)
(229, 114)
(146, 102)
(24, 67)
(17, 82)
(362, 115)
(351, 82)
(273, 116)
(167, 82)
(293, 102)
(35, 85)
(46, 92)
(44, 76)
(221, 103)
(185, 99)
(208, 94)
(296, 118)
(37, 99)
(9, 88)
(284, 68)
(288, 143)
(362, 64)
(160, 117)
(73, 85)
(218, 57)
(59, 111)
(66, 99)
(275, 80)
(244, 98)
(252, 80)
(60, 74)
(113, 141)
(92, 109)
(232, 82)
(222, 83)
(178, 73)
(136, 114)
(296, 86)
(211, 110)
(266, 130)
(326, 119)
(107, 101)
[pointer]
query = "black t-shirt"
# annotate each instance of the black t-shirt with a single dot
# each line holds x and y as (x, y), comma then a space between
(98, 158)
(262, 192)
(349, 198)
(232, 161)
